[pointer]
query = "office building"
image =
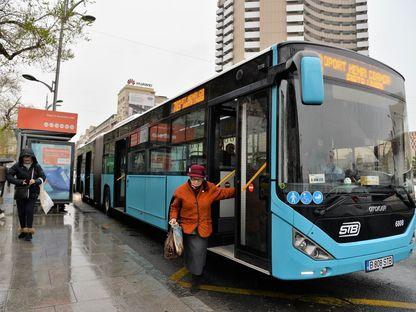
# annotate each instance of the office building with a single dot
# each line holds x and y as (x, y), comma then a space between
(245, 27)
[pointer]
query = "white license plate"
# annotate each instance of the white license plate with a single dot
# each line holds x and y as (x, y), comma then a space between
(378, 264)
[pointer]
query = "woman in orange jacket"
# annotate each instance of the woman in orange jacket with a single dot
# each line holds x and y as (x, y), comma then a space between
(192, 208)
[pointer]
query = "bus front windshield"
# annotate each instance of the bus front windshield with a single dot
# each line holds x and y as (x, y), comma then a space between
(356, 139)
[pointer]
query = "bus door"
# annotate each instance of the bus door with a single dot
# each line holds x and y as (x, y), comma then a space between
(78, 180)
(223, 162)
(120, 171)
(87, 186)
(252, 180)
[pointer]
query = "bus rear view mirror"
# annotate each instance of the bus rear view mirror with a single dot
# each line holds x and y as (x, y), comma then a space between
(312, 81)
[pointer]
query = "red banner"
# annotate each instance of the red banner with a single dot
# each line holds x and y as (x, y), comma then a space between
(51, 121)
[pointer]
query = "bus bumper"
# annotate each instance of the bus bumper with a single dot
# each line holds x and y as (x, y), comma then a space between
(289, 263)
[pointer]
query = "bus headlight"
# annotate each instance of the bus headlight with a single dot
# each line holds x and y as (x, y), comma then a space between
(309, 247)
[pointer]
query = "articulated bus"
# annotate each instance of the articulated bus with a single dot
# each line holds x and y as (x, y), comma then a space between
(313, 137)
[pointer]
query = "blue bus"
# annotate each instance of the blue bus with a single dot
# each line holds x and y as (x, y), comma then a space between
(313, 137)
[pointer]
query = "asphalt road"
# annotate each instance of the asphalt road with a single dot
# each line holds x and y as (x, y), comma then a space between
(231, 287)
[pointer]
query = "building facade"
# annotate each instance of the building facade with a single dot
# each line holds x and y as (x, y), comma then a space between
(245, 27)
(136, 98)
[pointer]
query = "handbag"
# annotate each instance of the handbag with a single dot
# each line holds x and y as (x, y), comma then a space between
(169, 251)
(22, 191)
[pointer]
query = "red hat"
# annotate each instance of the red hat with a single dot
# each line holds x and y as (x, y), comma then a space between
(197, 171)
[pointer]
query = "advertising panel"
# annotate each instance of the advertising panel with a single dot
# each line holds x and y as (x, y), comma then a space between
(56, 161)
(50, 121)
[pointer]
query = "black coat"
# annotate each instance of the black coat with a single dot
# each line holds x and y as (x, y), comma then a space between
(18, 173)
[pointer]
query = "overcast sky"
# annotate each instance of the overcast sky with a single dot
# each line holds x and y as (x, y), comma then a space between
(171, 44)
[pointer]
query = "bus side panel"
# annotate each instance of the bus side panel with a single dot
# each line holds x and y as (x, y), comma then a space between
(107, 179)
(97, 168)
(146, 199)
(172, 184)
(135, 196)
(155, 201)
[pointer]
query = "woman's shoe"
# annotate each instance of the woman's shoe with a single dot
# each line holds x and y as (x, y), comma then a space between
(22, 235)
(195, 282)
(28, 237)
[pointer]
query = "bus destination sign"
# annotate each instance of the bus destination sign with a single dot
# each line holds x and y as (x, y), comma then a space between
(351, 70)
(189, 100)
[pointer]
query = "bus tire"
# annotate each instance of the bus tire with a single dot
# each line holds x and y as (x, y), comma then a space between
(82, 191)
(107, 202)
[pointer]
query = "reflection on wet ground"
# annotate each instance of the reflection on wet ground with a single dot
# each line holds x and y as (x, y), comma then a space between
(74, 265)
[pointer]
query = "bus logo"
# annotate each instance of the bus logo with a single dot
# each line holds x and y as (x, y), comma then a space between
(349, 229)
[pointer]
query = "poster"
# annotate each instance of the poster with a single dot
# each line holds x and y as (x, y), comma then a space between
(55, 160)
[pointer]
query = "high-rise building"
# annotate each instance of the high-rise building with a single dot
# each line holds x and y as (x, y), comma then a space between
(245, 27)
(136, 98)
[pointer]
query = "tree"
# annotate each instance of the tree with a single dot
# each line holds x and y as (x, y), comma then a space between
(414, 166)
(29, 30)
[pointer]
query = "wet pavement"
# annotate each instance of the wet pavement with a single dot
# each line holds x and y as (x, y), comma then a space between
(73, 264)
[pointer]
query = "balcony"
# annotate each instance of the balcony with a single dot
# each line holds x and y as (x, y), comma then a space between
(295, 38)
(252, 45)
(218, 32)
(218, 39)
(219, 25)
(295, 29)
(218, 54)
(362, 35)
(362, 44)
(252, 5)
(362, 26)
(294, 18)
(255, 14)
(228, 29)
(251, 34)
(228, 47)
(227, 57)
(228, 38)
(218, 46)
(361, 8)
(218, 68)
(248, 25)
(362, 17)
(228, 20)
(229, 11)
(218, 61)
(219, 18)
(294, 8)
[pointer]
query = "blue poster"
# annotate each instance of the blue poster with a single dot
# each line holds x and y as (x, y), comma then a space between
(55, 160)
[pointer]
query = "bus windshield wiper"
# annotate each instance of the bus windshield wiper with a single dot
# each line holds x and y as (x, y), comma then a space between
(342, 198)
(396, 190)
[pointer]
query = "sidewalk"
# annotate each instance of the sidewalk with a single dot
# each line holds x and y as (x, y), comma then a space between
(73, 265)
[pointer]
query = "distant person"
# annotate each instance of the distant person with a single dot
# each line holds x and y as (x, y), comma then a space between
(28, 172)
(229, 155)
(191, 207)
(332, 171)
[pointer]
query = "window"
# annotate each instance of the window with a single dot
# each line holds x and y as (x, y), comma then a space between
(178, 130)
(178, 156)
(159, 161)
(189, 127)
(160, 133)
(108, 158)
(137, 162)
(196, 154)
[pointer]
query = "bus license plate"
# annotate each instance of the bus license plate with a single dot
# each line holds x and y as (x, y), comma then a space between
(378, 264)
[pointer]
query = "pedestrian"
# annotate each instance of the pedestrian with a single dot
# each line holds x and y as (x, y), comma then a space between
(26, 171)
(191, 207)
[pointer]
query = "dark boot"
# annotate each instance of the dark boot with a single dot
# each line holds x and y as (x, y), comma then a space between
(23, 233)
(28, 237)
(195, 282)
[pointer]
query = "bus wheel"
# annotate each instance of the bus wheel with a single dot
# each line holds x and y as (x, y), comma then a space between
(107, 202)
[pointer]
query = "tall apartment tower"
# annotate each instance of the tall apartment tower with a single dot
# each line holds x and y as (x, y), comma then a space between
(245, 27)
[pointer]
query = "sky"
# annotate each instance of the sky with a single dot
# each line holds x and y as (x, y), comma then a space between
(171, 44)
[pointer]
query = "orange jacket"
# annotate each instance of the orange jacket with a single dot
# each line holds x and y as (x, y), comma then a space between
(195, 209)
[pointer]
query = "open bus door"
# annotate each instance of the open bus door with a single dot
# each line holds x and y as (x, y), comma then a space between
(120, 172)
(252, 180)
(251, 233)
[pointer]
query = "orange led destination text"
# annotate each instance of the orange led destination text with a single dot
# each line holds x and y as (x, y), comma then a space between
(356, 73)
(189, 100)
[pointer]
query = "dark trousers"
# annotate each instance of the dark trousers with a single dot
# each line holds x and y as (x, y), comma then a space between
(26, 209)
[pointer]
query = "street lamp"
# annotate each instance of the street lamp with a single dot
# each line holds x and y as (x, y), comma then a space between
(32, 78)
(86, 18)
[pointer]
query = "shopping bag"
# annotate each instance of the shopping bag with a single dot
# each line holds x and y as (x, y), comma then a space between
(178, 239)
(169, 251)
(45, 200)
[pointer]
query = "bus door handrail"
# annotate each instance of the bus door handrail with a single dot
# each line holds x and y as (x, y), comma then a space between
(244, 188)
(226, 177)
(121, 177)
